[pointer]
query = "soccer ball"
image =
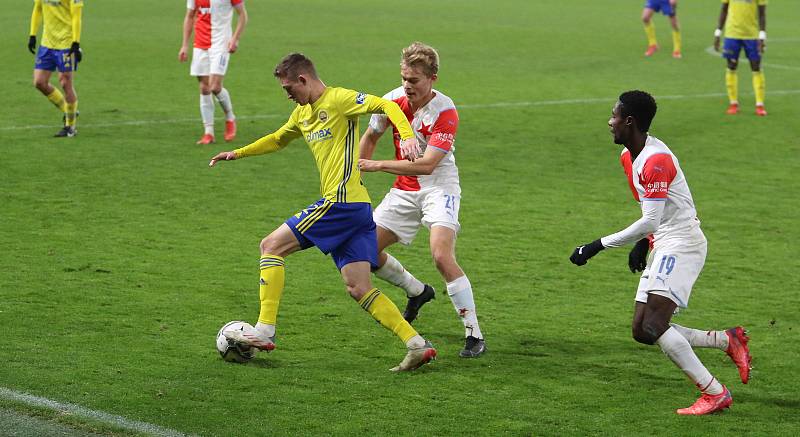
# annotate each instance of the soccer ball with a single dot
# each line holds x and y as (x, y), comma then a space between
(232, 351)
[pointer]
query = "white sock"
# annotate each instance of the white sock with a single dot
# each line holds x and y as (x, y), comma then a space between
(698, 338)
(265, 329)
(224, 100)
(415, 342)
(207, 112)
(394, 273)
(677, 348)
(460, 292)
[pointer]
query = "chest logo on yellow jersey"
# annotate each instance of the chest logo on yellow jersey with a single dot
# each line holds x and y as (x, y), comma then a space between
(323, 116)
(320, 135)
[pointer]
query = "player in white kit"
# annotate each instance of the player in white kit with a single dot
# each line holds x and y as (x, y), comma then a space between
(426, 192)
(670, 226)
(213, 44)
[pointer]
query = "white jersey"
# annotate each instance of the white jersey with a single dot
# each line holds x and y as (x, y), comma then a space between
(212, 27)
(435, 125)
(655, 175)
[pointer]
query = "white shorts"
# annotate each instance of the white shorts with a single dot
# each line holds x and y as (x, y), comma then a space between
(672, 270)
(402, 212)
(211, 61)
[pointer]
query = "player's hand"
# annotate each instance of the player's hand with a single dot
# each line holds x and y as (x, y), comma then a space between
(637, 258)
(182, 57)
(233, 45)
(581, 254)
(409, 149)
(762, 45)
(369, 165)
(222, 156)
(716, 44)
(32, 44)
(75, 50)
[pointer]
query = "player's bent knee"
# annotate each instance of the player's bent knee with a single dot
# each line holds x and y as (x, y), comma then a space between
(642, 337)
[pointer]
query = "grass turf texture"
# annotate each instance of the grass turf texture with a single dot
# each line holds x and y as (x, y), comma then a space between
(123, 253)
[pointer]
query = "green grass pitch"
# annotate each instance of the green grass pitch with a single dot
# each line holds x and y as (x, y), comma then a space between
(122, 253)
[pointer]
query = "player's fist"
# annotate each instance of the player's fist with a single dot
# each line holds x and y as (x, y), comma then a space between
(76, 52)
(581, 254)
(637, 258)
(32, 44)
(222, 156)
(233, 45)
(409, 149)
(182, 54)
(716, 44)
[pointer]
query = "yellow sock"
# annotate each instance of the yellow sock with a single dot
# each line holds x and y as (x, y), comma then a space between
(732, 83)
(57, 99)
(270, 288)
(387, 314)
(676, 41)
(759, 86)
(71, 110)
(650, 31)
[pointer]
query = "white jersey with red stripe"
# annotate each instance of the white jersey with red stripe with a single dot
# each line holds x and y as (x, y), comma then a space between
(212, 27)
(435, 125)
(655, 175)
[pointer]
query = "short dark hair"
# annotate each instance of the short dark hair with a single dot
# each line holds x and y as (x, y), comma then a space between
(639, 105)
(293, 65)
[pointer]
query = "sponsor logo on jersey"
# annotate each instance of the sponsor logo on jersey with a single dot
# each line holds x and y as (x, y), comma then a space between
(360, 98)
(323, 116)
(320, 135)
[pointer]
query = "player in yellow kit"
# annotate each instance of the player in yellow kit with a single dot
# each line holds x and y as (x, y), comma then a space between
(745, 24)
(339, 224)
(60, 49)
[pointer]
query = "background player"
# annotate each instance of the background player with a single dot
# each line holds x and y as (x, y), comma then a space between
(60, 49)
(679, 252)
(670, 9)
(213, 44)
(341, 222)
(433, 198)
(745, 24)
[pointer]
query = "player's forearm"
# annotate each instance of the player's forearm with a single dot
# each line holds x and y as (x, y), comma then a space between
(36, 18)
(368, 143)
(762, 18)
(261, 146)
(188, 24)
(407, 168)
(396, 116)
(241, 23)
(76, 11)
(648, 224)
(723, 15)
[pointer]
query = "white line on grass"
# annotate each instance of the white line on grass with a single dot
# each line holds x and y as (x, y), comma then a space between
(77, 410)
(465, 106)
(710, 50)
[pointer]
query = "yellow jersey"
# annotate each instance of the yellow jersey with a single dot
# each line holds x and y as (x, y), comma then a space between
(742, 20)
(330, 127)
(62, 22)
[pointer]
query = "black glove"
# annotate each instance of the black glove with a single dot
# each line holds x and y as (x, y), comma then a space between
(637, 259)
(581, 254)
(32, 44)
(75, 51)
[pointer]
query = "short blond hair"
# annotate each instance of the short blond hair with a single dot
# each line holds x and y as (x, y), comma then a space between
(421, 55)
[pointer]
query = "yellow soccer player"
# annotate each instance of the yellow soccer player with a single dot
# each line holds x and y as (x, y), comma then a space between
(670, 9)
(60, 49)
(745, 24)
(339, 224)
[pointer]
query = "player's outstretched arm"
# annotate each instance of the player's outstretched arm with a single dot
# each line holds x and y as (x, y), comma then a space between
(420, 166)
